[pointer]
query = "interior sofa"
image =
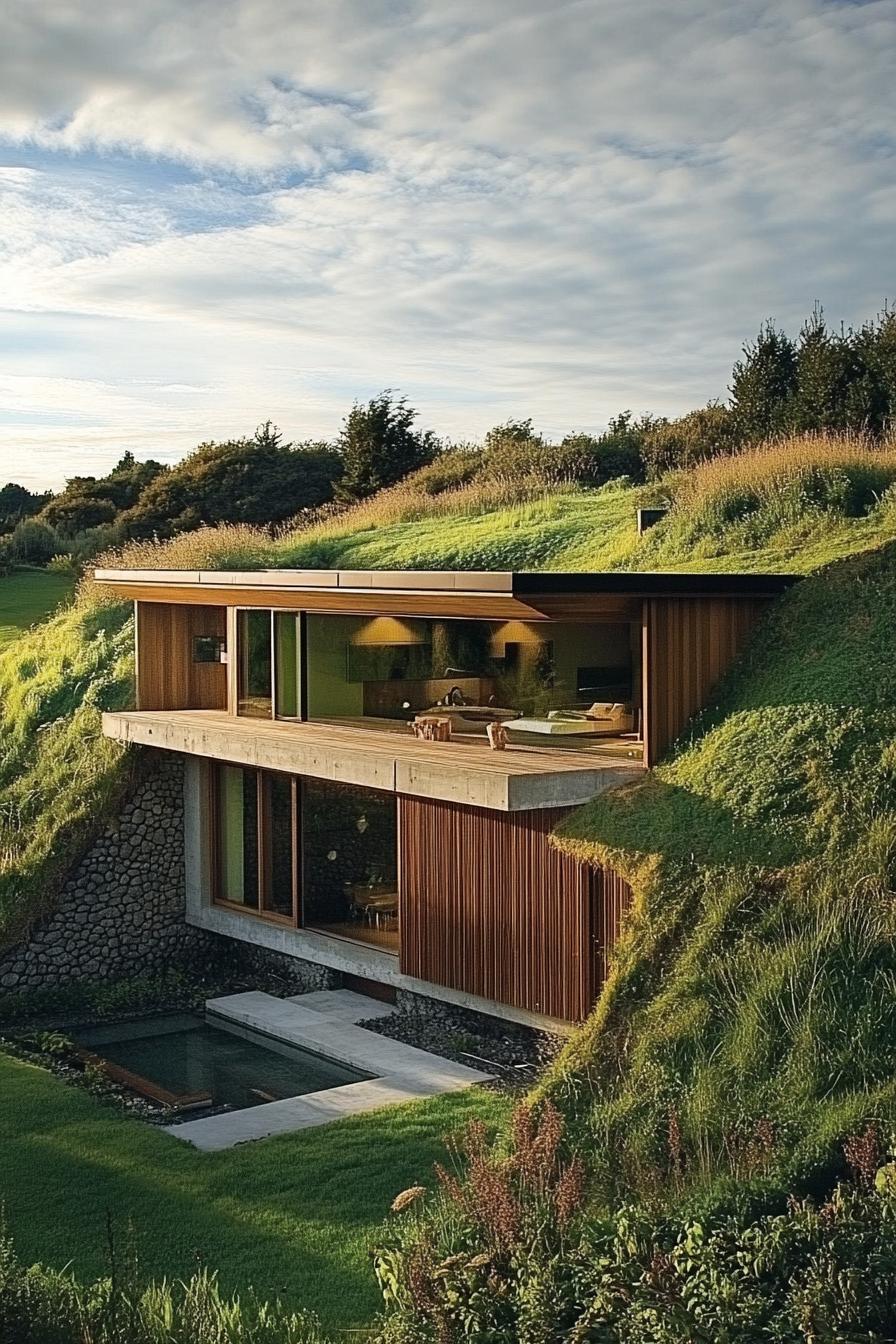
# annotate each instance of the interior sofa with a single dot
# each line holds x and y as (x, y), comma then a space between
(602, 719)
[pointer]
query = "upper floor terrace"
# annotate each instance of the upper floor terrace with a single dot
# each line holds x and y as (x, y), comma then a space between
(324, 672)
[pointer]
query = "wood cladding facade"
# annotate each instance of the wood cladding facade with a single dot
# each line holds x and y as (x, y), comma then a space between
(167, 677)
(688, 644)
(489, 907)
(611, 897)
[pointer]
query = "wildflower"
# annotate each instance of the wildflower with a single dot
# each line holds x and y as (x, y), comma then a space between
(569, 1190)
(407, 1198)
(863, 1154)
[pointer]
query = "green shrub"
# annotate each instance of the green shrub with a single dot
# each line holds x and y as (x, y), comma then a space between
(453, 468)
(33, 542)
(515, 452)
(62, 564)
(506, 1251)
(671, 445)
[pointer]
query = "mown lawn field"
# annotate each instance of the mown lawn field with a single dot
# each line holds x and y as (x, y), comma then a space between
(294, 1217)
(27, 596)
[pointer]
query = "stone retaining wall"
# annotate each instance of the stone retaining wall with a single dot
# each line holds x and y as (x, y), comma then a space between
(121, 911)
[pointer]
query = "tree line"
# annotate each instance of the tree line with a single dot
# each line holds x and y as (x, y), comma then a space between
(824, 379)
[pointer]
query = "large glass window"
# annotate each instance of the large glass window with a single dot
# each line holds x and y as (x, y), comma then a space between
(254, 675)
(286, 847)
(384, 670)
(350, 862)
(236, 835)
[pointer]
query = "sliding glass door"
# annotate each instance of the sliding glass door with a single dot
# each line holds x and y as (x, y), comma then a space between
(254, 664)
(269, 672)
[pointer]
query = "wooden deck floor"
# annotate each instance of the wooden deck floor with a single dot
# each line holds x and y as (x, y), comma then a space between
(464, 770)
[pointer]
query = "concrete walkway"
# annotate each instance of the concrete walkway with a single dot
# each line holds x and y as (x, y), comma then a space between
(325, 1023)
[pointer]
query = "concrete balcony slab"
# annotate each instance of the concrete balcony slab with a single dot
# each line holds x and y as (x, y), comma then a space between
(464, 770)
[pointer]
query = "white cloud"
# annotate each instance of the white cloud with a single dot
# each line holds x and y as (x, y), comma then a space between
(500, 206)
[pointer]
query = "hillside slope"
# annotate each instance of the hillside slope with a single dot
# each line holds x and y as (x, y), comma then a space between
(750, 1021)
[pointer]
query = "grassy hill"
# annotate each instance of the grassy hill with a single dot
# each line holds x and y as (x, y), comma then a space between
(794, 508)
(752, 994)
(751, 1017)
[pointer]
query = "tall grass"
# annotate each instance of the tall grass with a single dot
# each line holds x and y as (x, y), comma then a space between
(58, 775)
(45, 1306)
(765, 472)
(782, 493)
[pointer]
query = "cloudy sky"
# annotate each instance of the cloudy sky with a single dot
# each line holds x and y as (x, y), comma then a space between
(220, 211)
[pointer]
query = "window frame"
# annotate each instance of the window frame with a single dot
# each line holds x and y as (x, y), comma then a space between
(263, 846)
(234, 641)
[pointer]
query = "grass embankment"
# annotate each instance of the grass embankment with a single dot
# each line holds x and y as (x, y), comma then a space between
(292, 1217)
(751, 1018)
(59, 776)
(29, 595)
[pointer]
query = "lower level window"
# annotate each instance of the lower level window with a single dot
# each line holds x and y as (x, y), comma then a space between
(254, 826)
(350, 863)
(317, 854)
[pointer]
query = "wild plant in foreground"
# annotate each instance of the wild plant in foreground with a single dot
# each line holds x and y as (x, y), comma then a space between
(491, 1244)
(810, 1272)
(45, 1306)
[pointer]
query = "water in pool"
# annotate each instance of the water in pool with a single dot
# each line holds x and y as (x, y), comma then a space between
(192, 1058)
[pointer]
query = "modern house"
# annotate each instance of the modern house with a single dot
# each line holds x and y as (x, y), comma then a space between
(347, 801)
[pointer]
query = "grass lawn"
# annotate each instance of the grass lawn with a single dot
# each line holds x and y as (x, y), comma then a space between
(292, 1216)
(28, 595)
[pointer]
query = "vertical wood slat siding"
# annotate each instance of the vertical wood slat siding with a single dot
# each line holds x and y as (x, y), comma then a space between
(487, 906)
(611, 897)
(167, 677)
(689, 643)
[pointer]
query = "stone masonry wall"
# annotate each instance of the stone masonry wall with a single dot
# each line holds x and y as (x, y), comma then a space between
(121, 911)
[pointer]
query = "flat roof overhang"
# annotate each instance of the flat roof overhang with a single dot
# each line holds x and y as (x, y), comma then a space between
(520, 779)
(502, 594)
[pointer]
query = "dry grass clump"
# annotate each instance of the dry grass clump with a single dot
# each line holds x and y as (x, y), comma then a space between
(762, 469)
(776, 494)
